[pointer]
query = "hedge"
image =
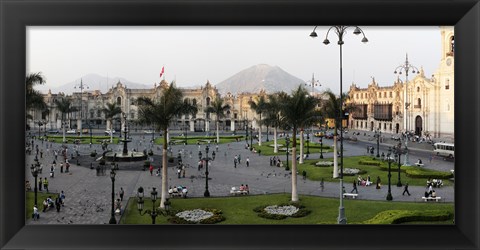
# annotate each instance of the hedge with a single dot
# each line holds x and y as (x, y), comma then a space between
(402, 216)
(369, 163)
(420, 173)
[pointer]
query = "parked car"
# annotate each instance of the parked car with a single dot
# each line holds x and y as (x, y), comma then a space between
(53, 131)
(71, 131)
(107, 132)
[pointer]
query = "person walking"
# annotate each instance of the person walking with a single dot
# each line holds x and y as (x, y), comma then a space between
(322, 184)
(405, 189)
(378, 183)
(248, 162)
(151, 169)
(45, 184)
(354, 187)
(62, 198)
(235, 162)
(52, 171)
(61, 167)
(121, 193)
(304, 175)
(40, 184)
(35, 215)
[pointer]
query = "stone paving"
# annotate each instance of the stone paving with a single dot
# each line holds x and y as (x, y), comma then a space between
(88, 196)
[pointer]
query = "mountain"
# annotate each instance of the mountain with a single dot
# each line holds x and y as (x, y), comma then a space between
(94, 82)
(261, 76)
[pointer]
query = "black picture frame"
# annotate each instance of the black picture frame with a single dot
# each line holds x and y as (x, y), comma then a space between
(16, 15)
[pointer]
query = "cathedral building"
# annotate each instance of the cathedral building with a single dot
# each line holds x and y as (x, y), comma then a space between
(423, 105)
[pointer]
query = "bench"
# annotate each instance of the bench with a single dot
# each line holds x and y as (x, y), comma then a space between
(431, 198)
(419, 164)
(236, 191)
(354, 196)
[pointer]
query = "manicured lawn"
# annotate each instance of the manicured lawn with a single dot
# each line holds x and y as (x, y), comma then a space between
(30, 201)
(317, 173)
(193, 140)
(83, 140)
(239, 210)
(267, 147)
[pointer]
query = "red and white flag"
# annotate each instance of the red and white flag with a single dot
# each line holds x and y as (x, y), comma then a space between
(161, 73)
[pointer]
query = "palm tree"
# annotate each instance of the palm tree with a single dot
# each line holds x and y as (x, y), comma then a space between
(297, 111)
(34, 99)
(332, 110)
(272, 115)
(162, 113)
(259, 107)
(218, 109)
(65, 107)
(110, 111)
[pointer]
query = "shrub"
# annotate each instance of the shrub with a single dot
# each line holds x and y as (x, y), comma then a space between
(93, 154)
(102, 161)
(369, 163)
(421, 173)
(323, 164)
(170, 159)
(402, 216)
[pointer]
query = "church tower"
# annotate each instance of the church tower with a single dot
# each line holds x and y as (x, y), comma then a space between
(445, 81)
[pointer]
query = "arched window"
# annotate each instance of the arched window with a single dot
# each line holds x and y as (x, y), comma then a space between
(208, 101)
(419, 102)
(418, 89)
(119, 100)
(194, 101)
(447, 84)
(99, 113)
(452, 44)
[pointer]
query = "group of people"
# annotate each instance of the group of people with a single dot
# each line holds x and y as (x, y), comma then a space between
(364, 181)
(434, 183)
(244, 188)
(275, 161)
(178, 191)
(430, 192)
(50, 203)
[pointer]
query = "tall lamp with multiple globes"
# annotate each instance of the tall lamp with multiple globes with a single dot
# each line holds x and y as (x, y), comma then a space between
(206, 159)
(389, 157)
(34, 170)
(407, 67)
(377, 135)
(154, 212)
(112, 176)
(340, 30)
(287, 142)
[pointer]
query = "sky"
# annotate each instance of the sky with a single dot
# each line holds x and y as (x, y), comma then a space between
(191, 55)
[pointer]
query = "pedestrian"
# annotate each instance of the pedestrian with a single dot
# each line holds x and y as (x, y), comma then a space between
(235, 162)
(183, 172)
(40, 184)
(52, 171)
(179, 172)
(378, 183)
(239, 158)
(304, 175)
(121, 193)
(322, 185)
(405, 189)
(199, 165)
(248, 162)
(61, 167)
(45, 184)
(41, 153)
(67, 166)
(354, 187)
(35, 214)
(57, 204)
(62, 198)
(213, 155)
(271, 161)
(151, 169)
(430, 158)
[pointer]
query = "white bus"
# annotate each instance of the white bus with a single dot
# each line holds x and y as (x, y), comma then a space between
(444, 149)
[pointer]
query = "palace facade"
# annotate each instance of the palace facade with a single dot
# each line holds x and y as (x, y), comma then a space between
(91, 103)
(423, 105)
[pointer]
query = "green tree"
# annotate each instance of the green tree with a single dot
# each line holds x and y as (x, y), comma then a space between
(219, 110)
(297, 110)
(272, 115)
(34, 99)
(260, 106)
(161, 113)
(65, 107)
(110, 111)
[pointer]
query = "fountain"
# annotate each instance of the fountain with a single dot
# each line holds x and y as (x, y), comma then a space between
(125, 155)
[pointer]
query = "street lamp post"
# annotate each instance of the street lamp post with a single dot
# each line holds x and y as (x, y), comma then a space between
(206, 193)
(81, 86)
(321, 147)
(251, 137)
(398, 154)
(287, 142)
(389, 156)
(246, 131)
(340, 30)
(377, 135)
(308, 144)
(406, 68)
(112, 176)
(140, 202)
(186, 134)
(34, 170)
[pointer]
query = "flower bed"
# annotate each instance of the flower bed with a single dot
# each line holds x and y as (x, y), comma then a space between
(324, 164)
(197, 216)
(282, 211)
(352, 171)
